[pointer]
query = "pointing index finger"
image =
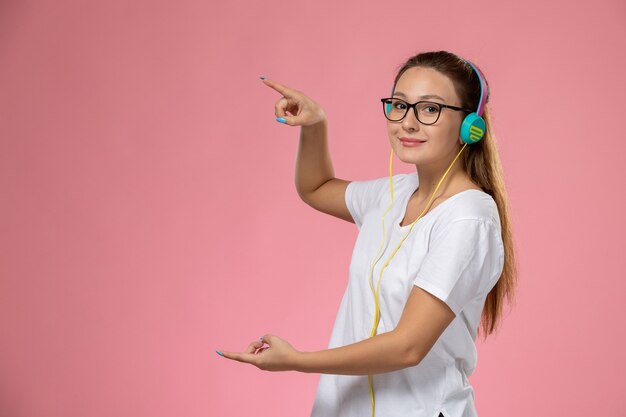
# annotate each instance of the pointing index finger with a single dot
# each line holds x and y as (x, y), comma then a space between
(240, 357)
(285, 91)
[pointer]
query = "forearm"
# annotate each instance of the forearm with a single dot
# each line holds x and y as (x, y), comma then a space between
(379, 354)
(313, 164)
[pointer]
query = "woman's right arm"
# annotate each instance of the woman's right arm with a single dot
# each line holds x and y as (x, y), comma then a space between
(315, 179)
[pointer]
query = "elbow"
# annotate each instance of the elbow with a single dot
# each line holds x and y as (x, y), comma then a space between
(413, 357)
(411, 353)
(306, 198)
(303, 196)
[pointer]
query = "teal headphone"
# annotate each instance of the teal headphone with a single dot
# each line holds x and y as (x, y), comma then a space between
(473, 125)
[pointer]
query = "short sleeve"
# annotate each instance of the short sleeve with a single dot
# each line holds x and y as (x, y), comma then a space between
(362, 196)
(464, 260)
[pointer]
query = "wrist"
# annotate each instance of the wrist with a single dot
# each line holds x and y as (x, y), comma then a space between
(299, 362)
(318, 125)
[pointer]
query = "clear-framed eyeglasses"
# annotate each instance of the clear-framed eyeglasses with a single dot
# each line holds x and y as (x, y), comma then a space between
(426, 112)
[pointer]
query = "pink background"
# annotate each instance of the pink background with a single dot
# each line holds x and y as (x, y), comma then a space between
(148, 213)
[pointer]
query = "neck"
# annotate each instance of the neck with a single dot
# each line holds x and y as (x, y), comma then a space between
(430, 175)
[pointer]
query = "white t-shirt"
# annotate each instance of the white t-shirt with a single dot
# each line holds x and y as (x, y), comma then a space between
(454, 252)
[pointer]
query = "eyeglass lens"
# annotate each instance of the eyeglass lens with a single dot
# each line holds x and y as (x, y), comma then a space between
(396, 109)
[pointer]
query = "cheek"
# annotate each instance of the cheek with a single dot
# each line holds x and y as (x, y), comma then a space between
(442, 136)
(454, 132)
(451, 132)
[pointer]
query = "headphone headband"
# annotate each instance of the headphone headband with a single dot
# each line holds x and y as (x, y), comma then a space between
(484, 90)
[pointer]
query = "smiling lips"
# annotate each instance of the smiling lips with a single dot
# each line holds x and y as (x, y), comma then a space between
(411, 141)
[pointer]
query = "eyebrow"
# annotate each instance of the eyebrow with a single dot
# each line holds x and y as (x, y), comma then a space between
(398, 93)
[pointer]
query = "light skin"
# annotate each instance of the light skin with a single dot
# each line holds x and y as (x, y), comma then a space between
(443, 143)
(425, 317)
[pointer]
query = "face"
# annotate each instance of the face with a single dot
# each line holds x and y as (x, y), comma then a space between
(442, 139)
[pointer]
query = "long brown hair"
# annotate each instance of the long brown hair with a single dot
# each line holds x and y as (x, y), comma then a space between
(482, 163)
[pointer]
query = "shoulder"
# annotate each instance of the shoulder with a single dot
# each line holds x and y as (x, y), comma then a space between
(470, 224)
(378, 187)
(398, 180)
(472, 205)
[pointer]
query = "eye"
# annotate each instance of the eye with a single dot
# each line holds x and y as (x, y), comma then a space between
(429, 108)
(400, 105)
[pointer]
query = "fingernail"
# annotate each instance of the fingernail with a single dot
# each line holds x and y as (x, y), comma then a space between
(262, 77)
(281, 119)
(219, 353)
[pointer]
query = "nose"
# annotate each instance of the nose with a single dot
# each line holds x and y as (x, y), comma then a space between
(410, 122)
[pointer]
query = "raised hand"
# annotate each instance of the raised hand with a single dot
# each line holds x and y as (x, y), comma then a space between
(294, 107)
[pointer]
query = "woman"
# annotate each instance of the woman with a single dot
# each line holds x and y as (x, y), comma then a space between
(433, 259)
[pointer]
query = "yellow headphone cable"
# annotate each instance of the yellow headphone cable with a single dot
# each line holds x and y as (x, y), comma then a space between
(376, 292)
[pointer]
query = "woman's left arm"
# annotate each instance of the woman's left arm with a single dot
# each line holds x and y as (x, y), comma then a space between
(424, 319)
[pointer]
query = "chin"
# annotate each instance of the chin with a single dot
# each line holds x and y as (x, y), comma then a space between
(411, 161)
(407, 155)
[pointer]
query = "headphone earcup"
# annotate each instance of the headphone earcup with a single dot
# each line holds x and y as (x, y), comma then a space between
(472, 128)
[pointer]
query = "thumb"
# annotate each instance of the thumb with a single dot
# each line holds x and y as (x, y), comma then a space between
(288, 120)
